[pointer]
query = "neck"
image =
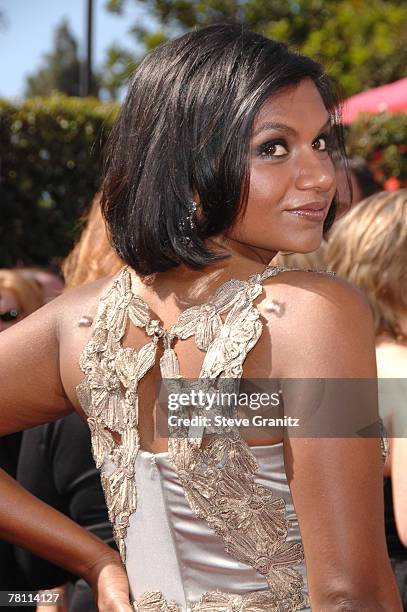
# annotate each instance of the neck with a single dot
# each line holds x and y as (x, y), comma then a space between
(254, 254)
(244, 260)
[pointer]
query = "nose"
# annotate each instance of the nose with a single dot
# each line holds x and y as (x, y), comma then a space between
(315, 171)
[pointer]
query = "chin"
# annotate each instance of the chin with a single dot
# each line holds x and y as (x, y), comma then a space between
(308, 246)
(309, 242)
(310, 249)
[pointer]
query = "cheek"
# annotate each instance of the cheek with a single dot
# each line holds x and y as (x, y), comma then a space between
(261, 224)
(267, 189)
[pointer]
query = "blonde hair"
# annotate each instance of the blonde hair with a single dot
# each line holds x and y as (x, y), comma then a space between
(27, 292)
(93, 256)
(369, 248)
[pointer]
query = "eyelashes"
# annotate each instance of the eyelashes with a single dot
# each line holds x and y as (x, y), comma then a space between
(328, 138)
(274, 148)
(278, 147)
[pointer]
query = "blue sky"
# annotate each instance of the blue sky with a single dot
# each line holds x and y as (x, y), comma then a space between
(29, 29)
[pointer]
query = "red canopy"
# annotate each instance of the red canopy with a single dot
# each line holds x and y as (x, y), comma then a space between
(392, 97)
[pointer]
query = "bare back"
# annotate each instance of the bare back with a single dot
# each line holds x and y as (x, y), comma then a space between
(166, 305)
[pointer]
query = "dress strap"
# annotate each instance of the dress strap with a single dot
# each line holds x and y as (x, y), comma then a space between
(270, 271)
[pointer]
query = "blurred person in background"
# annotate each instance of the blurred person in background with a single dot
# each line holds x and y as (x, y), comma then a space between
(369, 248)
(71, 487)
(19, 297)
(363, 182)
(363, 185)
(49, 281)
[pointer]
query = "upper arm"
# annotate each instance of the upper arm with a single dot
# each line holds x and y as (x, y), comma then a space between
(30, 382)
(336, 482)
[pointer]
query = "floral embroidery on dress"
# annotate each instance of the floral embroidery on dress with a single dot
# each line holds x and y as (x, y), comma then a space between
(154, 601)
(219, 480)
(215, 601)
(256, 601)
(108, 395)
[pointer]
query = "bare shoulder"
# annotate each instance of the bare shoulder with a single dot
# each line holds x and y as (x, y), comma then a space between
(306, 287)
(76, 314)
(82, 301)
(314, 298)
(324, 325)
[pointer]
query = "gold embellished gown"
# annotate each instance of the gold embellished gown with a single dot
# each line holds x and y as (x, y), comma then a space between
(199, 529)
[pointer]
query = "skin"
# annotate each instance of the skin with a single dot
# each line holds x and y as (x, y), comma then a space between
(336, 483)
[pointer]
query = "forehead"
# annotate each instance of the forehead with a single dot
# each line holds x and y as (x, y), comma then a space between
(292, 105)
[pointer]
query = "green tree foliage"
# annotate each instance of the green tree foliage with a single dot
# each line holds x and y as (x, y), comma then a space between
(50, 150)
(61, 67)
(118, 66)
(382, 140)
(363, 43)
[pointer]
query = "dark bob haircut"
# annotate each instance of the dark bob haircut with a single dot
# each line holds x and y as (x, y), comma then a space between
(185, 127)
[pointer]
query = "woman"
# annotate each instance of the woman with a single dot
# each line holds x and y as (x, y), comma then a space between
(370, 250)
(211, 171)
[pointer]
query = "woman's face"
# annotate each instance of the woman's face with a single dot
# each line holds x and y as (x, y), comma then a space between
(290, 168)
(10, 311)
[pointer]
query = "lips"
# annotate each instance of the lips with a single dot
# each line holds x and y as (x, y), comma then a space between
(314, 211)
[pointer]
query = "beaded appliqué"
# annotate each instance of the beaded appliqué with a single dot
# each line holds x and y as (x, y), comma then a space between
(218, 480)
(108, 395)
(213, 601)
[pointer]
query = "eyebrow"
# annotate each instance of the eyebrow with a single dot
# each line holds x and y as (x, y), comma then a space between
(272, 125)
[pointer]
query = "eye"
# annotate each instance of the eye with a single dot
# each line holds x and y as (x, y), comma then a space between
(274, 148)
(323, 142)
